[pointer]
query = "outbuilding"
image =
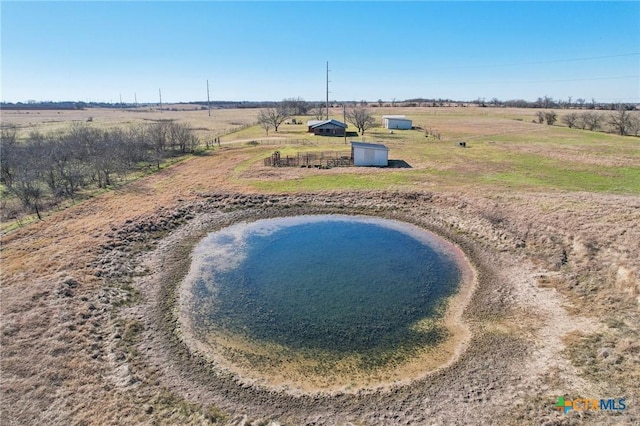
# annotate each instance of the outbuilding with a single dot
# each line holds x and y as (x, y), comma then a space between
(369, 154)
(396, 122)
(326, 127)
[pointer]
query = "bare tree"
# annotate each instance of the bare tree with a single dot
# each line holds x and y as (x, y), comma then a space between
(182, 137)
(274, 116)
(591, 120)
(27, 184)
(296, 106)
(634, 124)
(264, 121)
(360, 117)
(158, 136)
(571, 119)
(551, 117)
(620, 120)
(318, 112)
(8, 152)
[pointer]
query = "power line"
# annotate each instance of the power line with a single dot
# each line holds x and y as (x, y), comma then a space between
(622, 77)
(589, 58)
(555, 61)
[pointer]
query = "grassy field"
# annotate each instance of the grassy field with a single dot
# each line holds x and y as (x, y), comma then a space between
(503, 150)
(207, 127)
(554, 211)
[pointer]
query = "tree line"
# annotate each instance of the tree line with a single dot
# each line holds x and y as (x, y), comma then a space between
(57, 166)
(273, 116)
(621, 121)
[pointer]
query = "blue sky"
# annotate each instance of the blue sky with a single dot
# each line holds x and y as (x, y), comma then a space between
(99, 51)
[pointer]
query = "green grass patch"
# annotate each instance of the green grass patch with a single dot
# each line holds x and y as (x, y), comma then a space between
(556, 176)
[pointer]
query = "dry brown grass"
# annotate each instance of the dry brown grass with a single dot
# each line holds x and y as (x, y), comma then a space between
(220, 122)
(80, 343)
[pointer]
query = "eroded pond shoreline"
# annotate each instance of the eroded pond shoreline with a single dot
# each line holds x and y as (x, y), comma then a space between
(189, 373)
(307, 371)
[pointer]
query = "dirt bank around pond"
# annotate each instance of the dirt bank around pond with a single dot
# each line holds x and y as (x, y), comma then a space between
(281, 368)
(552, 314)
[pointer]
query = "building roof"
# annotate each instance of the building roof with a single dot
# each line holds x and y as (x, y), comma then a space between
(369, 145)
(317, 123)
(397, 118)
(393, 116)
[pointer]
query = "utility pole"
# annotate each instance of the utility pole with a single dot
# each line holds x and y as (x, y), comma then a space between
(121, 106)
(135, 99)
(160, 93)
(328, 90)
(208, 103)
(344, 120)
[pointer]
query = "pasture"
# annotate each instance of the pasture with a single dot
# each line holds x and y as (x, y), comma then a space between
(549, 213)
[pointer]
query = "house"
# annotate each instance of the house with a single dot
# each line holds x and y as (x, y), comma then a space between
(396, 122)
(326, 127)
(369, 154)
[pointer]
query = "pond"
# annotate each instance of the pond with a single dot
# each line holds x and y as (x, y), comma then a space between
(330, 287)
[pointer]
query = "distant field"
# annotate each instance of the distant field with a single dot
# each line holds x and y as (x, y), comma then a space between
(220, 122)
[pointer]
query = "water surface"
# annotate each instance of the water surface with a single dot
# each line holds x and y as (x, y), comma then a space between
(331, 283)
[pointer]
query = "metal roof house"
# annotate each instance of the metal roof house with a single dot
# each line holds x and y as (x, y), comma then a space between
(369, 154)
(326, 127)
(396, 122)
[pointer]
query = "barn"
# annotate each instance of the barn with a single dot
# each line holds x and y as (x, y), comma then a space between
(369, 154)
(326, 127)
(396, 122)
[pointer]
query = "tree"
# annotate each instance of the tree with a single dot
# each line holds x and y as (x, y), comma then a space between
(551, 117)
(620, 120)
(8, 152)
(158, 136)
(274, 117)
(318, 112)
(360, 117)
(26, 184)
(570, 119)
(634, 124)
(591, 120)
(264, 122)
(182, 137)
(296, 106)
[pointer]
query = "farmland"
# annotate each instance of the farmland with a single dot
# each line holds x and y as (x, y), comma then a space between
(548, 215)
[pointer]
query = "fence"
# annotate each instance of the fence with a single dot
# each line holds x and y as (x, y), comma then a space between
(324, 159)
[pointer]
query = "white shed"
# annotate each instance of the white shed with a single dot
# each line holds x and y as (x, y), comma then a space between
(369, 154)
(396, 122)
